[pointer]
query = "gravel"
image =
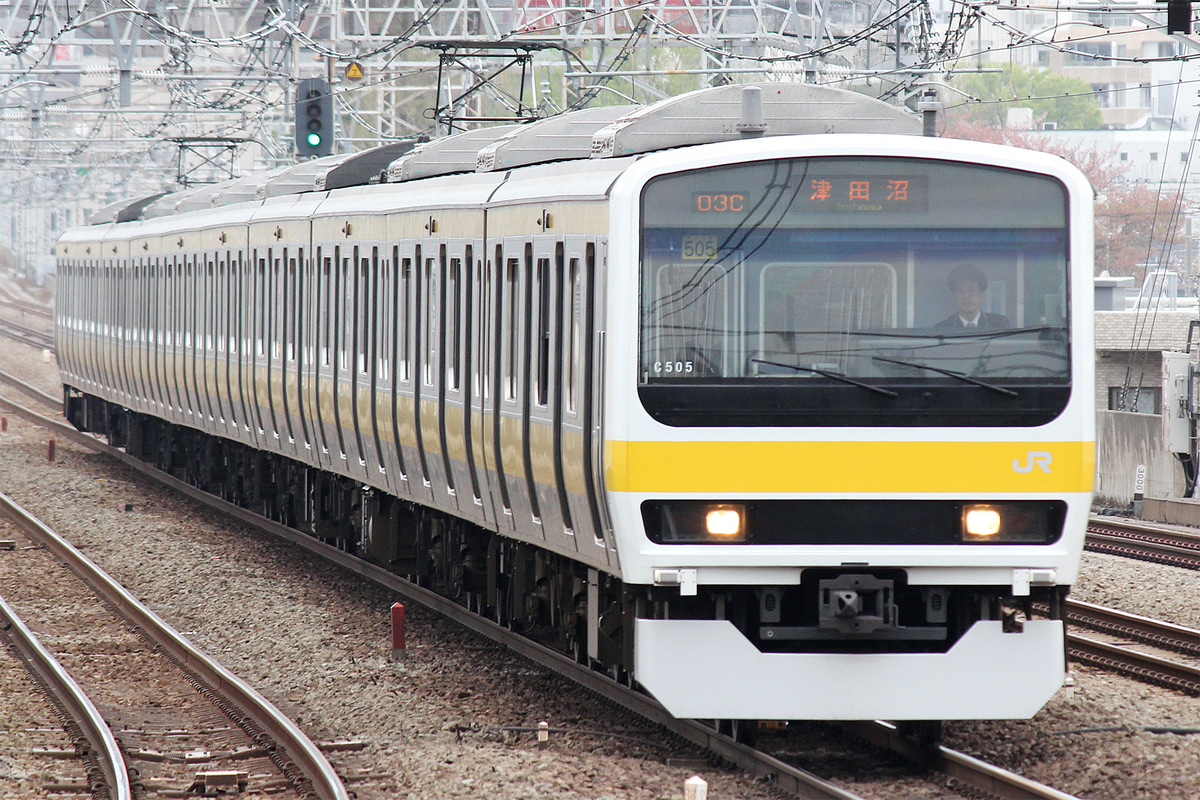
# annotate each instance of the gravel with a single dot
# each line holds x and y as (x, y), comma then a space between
(453, 719)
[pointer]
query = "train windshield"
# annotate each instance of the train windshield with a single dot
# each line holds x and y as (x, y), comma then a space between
(854, 291)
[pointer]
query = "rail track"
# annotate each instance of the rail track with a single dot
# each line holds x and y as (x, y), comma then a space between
(1160, 544)
(108, 775)
(231, 723)
(8, 300)
(26, 335)
(1147, 649)
(960, 768)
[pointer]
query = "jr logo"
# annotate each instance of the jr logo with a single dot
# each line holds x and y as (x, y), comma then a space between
(1034, 458)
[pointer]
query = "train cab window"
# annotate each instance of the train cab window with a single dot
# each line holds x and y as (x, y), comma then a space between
(831, 291)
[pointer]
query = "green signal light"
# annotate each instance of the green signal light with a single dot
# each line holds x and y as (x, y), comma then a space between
(314, 140)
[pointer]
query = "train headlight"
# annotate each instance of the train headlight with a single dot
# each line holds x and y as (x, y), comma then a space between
(724, 521)
(696, 522)
(1009, 523)
(980, 521)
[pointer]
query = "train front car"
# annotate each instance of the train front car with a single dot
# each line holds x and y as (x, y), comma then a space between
(841, 502)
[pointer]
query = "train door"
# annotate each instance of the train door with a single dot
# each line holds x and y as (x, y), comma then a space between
(120, 311)
(579, 451)
(207, 348)
(478, 315)
(304, 352)
(188, 348)
(284, 351)
(403, 415)
(255, 356)
(321, 396)
(294, 330)
(544, 441)
(428, 349)
(519, 510)
(225, 340)
(456, 380)
(243, 364)
(381, 340)
(109, 375)
(359, 308)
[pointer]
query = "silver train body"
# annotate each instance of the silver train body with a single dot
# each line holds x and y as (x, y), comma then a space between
(682, 397)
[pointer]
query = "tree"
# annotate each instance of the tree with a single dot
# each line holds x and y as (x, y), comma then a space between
(1136, 223)
(1069, 103)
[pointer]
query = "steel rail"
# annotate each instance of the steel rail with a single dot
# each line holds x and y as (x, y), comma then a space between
(1121, 657)
(960, 767)
(305, 765)
(1152, 631)
(1178, 549)
(1118, 656)
(30, 390)
(24, 335)
(103, 750)
(24, 306)
(801, 783)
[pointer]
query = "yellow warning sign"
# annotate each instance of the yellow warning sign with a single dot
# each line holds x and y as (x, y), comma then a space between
(354, 71)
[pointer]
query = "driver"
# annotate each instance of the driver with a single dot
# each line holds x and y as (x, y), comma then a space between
(969, 286)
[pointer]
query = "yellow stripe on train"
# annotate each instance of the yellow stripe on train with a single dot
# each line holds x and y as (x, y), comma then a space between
(852, 467)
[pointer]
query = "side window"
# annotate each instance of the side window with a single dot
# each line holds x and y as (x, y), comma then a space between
(404, 317)
(512, 271)
(453, 322)
(541, 329)
(574, 334)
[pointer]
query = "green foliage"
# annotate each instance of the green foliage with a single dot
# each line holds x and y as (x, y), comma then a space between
(1070, 103)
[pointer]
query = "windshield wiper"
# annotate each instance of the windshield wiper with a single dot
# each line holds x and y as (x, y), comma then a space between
(949, 372)
(824, 373)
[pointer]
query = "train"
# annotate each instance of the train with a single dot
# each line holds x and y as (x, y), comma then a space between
(685, 390)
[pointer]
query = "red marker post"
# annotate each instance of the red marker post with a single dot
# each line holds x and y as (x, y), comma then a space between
(397, 631)
(50, 450)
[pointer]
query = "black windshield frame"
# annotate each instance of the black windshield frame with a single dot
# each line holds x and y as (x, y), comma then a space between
(888, 355)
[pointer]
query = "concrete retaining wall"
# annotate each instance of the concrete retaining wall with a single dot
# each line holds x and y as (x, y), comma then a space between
(1123, 441)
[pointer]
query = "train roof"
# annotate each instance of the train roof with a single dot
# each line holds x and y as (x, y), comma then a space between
(704, 116)
(559, 138)
(446, 156)
(362, 168)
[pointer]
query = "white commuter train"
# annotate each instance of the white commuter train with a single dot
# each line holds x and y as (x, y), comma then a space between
(664, 391)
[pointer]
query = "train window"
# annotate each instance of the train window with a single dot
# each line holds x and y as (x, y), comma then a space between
(341, 298)
(290, 311)
(275, 306)
(483, 279)
(323, 294)
(542, 330)
(453, 322)
(429, 327)
(210, 306)
(803, 291)
(573, 333)
(258, 306)
(365, 321)
(383, 312)
(404, 318)
(511, 305)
